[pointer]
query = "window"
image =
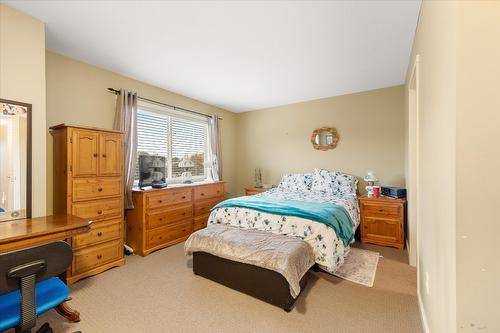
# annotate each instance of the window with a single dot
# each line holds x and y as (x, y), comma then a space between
(174, 135)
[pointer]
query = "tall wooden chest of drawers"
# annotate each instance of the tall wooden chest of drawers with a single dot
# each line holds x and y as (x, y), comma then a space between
(163, 217)
(383, 221)
(88, 182)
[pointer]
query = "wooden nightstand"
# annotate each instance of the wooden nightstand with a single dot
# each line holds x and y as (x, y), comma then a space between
(254, 190)
(383, 221)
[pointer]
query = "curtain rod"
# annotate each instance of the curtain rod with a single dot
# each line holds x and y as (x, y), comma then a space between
(117, 92)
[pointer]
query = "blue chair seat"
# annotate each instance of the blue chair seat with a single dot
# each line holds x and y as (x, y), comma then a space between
(48, 294)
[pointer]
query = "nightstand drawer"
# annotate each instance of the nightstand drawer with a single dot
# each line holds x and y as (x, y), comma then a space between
(382, 229)
(377, 210)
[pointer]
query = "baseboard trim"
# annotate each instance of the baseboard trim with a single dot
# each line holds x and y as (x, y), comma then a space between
(423, 315)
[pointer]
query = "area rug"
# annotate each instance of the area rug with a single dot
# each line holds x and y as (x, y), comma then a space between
(360, 267)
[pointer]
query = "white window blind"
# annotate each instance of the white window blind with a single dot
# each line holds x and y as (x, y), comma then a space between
(188, 139)
(175, 137)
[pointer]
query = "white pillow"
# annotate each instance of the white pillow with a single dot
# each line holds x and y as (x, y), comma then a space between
(334, 183)
(296, 182)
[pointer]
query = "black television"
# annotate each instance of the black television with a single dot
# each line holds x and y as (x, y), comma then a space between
(152, 171)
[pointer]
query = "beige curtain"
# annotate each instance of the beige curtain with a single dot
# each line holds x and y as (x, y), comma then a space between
(126, 121)
(215, 148)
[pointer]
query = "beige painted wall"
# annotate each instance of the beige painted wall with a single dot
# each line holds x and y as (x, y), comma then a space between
(370, 126)
(22, 78)
(478, 166)
(435, 43)
(457, 42)
(76, 94)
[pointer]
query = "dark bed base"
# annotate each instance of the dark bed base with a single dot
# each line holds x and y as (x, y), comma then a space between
(264, 284)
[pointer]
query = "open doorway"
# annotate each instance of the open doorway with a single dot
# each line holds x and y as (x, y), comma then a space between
(413, 163)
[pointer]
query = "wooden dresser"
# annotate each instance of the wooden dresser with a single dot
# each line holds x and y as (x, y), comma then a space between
(383, 221)
(88, 183)
(163, 217)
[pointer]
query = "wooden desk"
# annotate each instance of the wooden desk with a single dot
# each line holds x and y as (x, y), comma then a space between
(19, 234)
(24, 233)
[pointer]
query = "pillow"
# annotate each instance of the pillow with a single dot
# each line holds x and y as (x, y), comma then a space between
(296, 182)
(334, 183)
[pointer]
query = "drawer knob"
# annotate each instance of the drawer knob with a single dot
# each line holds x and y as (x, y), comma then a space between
(160, 201)
(183, 197)
(99, 256)
(95, 155)
(99, 189)
(99, 212)
(99, 234)
(381, 210)
(104, 155)
(161, 219)
(202, 194)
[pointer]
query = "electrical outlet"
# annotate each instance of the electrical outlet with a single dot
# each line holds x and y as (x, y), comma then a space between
(427, 283)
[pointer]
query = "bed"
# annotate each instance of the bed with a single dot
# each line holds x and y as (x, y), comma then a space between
(322, 186)
(319, 209)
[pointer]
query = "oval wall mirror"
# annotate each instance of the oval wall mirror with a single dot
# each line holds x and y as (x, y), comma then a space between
(324, 138)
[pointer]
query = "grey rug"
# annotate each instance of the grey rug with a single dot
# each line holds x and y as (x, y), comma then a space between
(360, 267)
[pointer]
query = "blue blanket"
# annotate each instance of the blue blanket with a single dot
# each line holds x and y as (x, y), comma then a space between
(332, 215)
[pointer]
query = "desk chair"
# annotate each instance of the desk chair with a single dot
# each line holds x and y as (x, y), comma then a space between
(29, 285)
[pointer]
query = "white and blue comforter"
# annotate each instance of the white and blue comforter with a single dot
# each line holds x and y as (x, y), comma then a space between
(329, 250)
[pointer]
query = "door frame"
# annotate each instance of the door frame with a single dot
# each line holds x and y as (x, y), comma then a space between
(413, 163)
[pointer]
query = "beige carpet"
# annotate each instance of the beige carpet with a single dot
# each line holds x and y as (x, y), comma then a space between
(159, 293)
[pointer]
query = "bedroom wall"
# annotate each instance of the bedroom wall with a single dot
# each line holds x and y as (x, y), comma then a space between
(457, 43)
(76, 94)
(435, 43)
(478, 166)
(22, 68)
(370, 126)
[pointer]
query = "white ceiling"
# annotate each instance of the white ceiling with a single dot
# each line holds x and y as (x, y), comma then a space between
(238, 55)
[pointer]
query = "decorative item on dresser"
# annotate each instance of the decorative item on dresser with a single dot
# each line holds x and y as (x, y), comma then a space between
(254, 190)
(88, 183)
(163, 217)
(383, 221)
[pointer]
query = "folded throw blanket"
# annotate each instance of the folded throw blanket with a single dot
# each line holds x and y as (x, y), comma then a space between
(330, 214)
(289, 256)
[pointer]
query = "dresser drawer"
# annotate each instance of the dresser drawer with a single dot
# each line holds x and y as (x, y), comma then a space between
(95, 256)
(200, 222)
(372, 209)
(208, 191)
(100, 232)
(168, 197)
(168, 234)
(96, 188)
(203, 207)
(99, 209)
(169, 216)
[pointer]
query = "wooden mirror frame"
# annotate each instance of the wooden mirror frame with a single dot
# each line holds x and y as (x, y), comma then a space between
(317, 131)
(28, 158)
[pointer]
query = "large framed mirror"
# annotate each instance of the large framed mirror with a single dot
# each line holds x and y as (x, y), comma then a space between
(324, 138)
(15, 160)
